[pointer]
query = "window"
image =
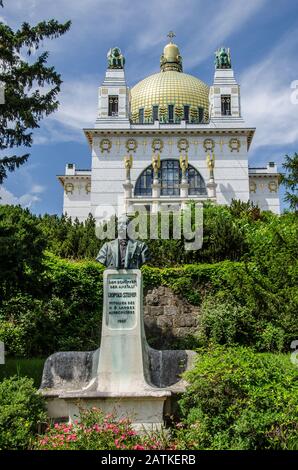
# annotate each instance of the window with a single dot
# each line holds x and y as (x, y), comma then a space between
(171, 113)
(201, 114)
(144, 182)
(226, 105)
(195, 181)
(186, 113)
(141, 116)
(155, 113)
(170, 179)
(113, 105)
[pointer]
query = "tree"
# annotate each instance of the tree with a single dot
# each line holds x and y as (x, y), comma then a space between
(25, 104)
(290, 180)
(21, 249)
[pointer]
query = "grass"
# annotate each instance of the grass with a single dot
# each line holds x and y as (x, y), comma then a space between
(23, 367)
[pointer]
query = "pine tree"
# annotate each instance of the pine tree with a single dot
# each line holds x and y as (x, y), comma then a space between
(26, 103)
(290, 180)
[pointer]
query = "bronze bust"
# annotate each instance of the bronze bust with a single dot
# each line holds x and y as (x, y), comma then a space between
(123, 253)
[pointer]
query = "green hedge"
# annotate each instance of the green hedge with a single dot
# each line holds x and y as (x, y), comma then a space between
(235, 306)
(68, 316)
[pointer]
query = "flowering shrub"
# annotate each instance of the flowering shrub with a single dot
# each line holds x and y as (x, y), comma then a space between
(97, 431)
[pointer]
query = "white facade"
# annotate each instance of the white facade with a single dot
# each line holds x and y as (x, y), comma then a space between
(115, 138)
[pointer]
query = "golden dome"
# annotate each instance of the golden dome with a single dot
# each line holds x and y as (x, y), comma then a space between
(171, 52)
(169, 88)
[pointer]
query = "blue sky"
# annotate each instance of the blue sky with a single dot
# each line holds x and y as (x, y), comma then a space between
(262, 36)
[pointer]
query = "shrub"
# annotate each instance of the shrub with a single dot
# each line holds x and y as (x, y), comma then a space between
(239, 399)
(97, 431)
(222, 321)
(21, 408)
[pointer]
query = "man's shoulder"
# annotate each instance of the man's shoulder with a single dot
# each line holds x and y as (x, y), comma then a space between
(139, 244)
(111, 243)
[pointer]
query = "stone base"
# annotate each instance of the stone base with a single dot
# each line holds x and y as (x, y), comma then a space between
(67, 374)
(145, 410)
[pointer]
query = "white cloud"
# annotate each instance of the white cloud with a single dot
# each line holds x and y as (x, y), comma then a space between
(37, 189)
(266, 96)
(25, 200)
(201, 27)
(215, 25)
(78, 102)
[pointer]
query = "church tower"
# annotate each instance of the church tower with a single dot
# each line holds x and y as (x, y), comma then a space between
(113, 99)
(224, 95)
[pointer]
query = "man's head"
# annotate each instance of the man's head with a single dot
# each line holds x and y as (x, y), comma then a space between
(123, 222)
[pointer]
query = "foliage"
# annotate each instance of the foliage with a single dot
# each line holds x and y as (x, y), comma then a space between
(21, 408)
(70, 239)
(97, 431)
(290, 180)
(238, 399)
(21, 250)
(66, 318)
(49, 304)
(239, 303)
(225, 322)
(25, 105)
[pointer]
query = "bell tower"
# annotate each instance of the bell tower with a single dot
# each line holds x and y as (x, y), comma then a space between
(224, 94)
(113, 99)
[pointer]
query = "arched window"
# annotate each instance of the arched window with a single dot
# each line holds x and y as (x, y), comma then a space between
(170, 178)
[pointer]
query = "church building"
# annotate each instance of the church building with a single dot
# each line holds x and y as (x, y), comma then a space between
(167, 140)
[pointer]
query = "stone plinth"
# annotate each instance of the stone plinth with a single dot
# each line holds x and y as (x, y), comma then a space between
(125, 375)
(123, 359)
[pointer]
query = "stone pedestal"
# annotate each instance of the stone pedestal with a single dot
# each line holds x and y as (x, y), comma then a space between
(184, 186)
(120, 378)
(128, 207)
(156, 194)
(211, 189)
(123, 359)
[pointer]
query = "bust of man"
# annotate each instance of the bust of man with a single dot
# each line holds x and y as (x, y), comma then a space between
(123, 253)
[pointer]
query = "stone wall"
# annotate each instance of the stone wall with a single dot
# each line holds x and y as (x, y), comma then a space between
(169, 318)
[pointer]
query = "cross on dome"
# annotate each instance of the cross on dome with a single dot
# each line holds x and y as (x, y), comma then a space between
(171, 35)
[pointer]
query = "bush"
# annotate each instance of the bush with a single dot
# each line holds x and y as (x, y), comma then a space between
(222, 321)
(21, 408)
(97, 431)
(239, 399)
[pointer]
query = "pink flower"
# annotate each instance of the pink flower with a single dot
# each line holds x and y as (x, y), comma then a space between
(138, 447)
